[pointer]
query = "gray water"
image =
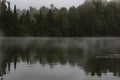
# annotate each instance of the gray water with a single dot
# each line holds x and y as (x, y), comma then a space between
(59, 58)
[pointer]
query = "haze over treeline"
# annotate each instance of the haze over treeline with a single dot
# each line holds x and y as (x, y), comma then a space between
(38, 3)
(93, 18)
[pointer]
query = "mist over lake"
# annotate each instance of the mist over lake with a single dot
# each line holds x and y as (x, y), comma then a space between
(59, 58)
(60, 40)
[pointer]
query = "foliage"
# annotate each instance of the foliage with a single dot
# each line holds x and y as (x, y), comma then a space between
(89, 19)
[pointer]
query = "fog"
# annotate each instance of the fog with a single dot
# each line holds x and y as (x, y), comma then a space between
(38, 3)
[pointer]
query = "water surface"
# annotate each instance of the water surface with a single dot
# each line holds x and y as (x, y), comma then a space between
(60, 58)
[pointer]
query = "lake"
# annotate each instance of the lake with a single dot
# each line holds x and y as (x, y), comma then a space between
(60, 58)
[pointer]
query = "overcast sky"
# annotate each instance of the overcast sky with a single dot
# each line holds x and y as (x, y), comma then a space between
(38, 3)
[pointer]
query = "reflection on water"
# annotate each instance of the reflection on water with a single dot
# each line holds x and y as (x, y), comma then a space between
(59, 58)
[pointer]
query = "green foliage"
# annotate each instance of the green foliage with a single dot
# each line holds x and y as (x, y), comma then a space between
(89, 19)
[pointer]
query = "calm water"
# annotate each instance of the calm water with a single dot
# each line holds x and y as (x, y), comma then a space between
(59, 58)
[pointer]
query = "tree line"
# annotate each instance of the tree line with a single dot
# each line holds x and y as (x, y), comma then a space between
(89, 19)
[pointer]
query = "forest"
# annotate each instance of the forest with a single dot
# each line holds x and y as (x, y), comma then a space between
(89, 19)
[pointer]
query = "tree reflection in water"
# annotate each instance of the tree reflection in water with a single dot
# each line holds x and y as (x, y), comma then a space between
(77, 52)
